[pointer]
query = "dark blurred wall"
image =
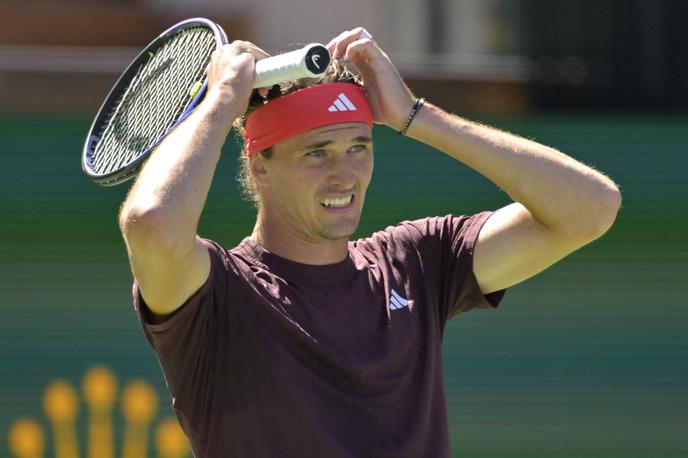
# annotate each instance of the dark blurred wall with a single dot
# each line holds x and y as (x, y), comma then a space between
(63, 56)
(608, 54)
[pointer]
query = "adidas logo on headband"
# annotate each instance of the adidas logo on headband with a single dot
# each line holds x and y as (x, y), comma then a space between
(342, 103)
(303, 110)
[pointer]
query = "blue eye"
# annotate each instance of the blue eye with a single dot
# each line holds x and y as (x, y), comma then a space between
(315, 153)
(358, 148)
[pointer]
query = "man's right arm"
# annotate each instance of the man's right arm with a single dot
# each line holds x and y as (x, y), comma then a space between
(159, 218)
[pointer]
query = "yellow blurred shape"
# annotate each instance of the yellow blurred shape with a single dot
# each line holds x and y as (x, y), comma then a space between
(139, 402)
(100, 388)
(60, 402)
(195, 88)
(61, 406)
(170, 440)
(26, 439)
(100, 391)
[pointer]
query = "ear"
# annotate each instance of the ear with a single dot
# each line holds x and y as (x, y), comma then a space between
(259, 172)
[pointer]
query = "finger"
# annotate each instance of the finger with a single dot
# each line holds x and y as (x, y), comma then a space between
(258, 54)
(238, 47)
(346, 40)
(343, 40)
(333, 42)
(213, 57)
(235, 55)
(362, 48)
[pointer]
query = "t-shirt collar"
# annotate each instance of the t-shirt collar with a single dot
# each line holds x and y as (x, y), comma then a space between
(337, 273)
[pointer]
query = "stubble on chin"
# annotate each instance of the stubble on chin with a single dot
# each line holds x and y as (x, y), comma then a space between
(339, 232)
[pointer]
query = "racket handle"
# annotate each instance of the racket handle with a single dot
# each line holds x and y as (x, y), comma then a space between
(308, 62)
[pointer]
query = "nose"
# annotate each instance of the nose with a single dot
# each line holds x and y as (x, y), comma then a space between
(342, 174)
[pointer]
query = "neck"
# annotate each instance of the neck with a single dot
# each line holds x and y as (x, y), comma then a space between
(283, 241)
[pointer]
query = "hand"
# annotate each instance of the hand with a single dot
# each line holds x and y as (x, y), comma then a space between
(390, 99)
(231, 75)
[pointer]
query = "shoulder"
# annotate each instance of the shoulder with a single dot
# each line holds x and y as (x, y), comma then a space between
(419, 230)
(229, 258)
(400, 241)
(229, 265)
(220, 257)
(404, 230)
(432, 237)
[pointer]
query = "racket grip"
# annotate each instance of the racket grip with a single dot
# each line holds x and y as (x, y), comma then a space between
(308, 62)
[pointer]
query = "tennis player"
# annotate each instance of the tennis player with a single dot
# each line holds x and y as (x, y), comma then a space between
(299, 342)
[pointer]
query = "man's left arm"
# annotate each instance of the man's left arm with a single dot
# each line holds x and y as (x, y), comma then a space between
(560, 204)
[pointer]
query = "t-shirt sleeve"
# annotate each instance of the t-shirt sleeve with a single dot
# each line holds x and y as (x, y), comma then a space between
(184, 341)
(448, 243)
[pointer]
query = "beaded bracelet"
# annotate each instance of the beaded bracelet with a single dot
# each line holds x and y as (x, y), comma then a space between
(416, 106)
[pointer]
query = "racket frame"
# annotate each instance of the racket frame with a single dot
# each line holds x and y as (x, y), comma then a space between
(130, 169)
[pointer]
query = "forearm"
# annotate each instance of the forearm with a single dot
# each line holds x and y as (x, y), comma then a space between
(560, 192)
(171, 190)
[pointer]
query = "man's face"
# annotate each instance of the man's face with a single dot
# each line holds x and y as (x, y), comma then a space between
(315, 183)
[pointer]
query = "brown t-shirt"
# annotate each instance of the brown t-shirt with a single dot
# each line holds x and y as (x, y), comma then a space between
(273, 358)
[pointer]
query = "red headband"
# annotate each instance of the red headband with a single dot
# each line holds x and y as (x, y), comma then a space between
(304, 110)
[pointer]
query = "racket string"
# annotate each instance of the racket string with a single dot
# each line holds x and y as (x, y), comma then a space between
(159, 62)
(161, 86)
(155, 99)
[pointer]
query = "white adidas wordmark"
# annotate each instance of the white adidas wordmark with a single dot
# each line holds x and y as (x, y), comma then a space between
(342, 103)
(397, 302)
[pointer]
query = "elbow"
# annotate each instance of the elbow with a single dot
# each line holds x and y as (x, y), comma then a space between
(136, 219)
(603, 212)
(143, 225)
(149, 230)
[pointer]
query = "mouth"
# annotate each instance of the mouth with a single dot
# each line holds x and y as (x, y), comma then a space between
(338, 203)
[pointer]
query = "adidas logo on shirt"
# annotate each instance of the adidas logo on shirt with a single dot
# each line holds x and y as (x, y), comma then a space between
(342, 103)
(397, 302)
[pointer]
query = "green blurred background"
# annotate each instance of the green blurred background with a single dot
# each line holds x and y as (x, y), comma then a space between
(587, 360)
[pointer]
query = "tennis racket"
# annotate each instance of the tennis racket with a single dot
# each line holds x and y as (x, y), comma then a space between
(162, 86)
